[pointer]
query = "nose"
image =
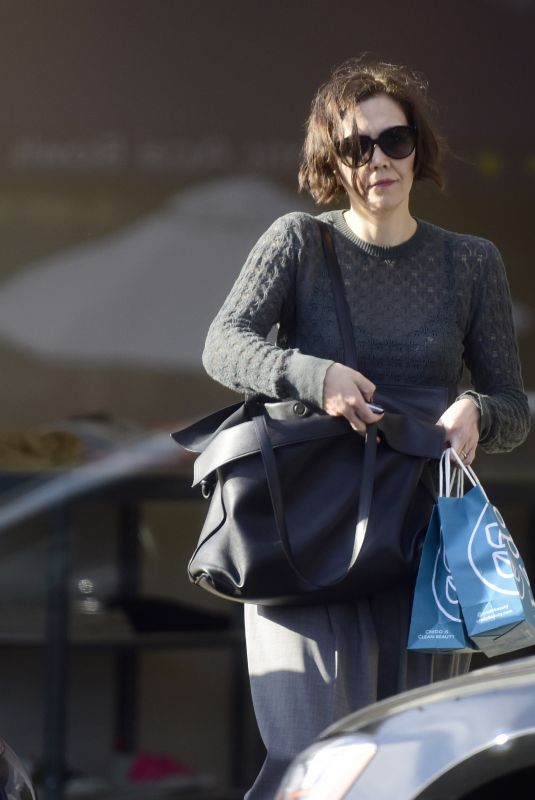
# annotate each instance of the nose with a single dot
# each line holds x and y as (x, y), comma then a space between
(378, 157)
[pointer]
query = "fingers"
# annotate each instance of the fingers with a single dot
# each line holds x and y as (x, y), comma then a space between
(365, 386)
(357, 414)
(467, 453)
(346, 393)
(360, 426)
(353, 406)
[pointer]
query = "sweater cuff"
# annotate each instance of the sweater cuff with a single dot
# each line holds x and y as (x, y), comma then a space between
(305, 376)
(480, 401)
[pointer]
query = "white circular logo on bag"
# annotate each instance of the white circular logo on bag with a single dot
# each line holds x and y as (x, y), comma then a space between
(444, 590)
(494, 556)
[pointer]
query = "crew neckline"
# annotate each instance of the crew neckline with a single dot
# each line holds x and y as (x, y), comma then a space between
(378, 250)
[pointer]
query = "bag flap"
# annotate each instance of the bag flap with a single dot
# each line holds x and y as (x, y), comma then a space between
(241, 440)
(228, 434)
(425, 402)
(412, 436)
(198, 435)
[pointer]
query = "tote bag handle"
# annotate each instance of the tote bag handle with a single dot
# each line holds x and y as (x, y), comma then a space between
(343, 316)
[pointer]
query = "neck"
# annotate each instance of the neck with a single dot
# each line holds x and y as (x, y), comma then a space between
(386, 230)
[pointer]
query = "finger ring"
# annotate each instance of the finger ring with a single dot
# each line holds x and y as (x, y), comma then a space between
(463, 454)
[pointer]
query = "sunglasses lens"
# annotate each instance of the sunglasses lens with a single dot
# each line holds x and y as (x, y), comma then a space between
(354, 150)
(365, 150)
(349, 151)
(398, 142)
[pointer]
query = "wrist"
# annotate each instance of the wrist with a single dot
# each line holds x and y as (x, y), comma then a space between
(475, 401)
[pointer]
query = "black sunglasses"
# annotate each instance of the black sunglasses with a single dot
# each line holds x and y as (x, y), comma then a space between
(397, 142)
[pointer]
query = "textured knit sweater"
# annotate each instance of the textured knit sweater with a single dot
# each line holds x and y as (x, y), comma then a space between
(420, 311)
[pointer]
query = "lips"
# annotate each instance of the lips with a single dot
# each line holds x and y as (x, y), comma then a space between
(382, 184)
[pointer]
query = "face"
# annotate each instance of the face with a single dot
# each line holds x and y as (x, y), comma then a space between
(383, 183)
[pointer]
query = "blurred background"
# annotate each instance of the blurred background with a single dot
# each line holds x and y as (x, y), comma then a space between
(144, 147)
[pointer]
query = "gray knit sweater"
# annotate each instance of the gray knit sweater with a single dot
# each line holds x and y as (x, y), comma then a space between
(420, 310)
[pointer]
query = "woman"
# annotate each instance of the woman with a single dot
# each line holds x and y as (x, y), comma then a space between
(424, 301)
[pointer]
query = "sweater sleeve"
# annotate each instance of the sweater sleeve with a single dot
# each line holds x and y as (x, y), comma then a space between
(491, 355)
(238, 351)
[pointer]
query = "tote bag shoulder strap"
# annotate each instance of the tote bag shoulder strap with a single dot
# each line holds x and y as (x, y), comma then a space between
(343, 313)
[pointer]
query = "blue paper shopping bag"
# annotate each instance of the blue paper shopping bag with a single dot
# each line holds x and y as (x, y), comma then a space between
(490, 576)
(436, 619)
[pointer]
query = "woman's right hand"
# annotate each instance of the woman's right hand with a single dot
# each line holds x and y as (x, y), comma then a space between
(345, 394)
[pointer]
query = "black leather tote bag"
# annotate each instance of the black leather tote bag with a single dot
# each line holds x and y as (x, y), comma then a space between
(302, 509)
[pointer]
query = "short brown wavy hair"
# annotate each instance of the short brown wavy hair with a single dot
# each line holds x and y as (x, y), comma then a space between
(352, 82)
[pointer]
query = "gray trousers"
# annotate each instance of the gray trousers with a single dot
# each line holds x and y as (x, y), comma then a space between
(311, 665)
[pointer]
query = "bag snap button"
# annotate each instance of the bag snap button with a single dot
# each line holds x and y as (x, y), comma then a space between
(207, 488)
(300, 409)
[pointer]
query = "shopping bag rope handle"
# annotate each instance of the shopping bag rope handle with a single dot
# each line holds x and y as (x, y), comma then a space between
(451, 477)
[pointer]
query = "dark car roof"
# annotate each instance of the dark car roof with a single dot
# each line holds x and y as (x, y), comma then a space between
(516, 672)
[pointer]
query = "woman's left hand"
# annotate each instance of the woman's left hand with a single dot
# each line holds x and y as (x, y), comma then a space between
(461, 424)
